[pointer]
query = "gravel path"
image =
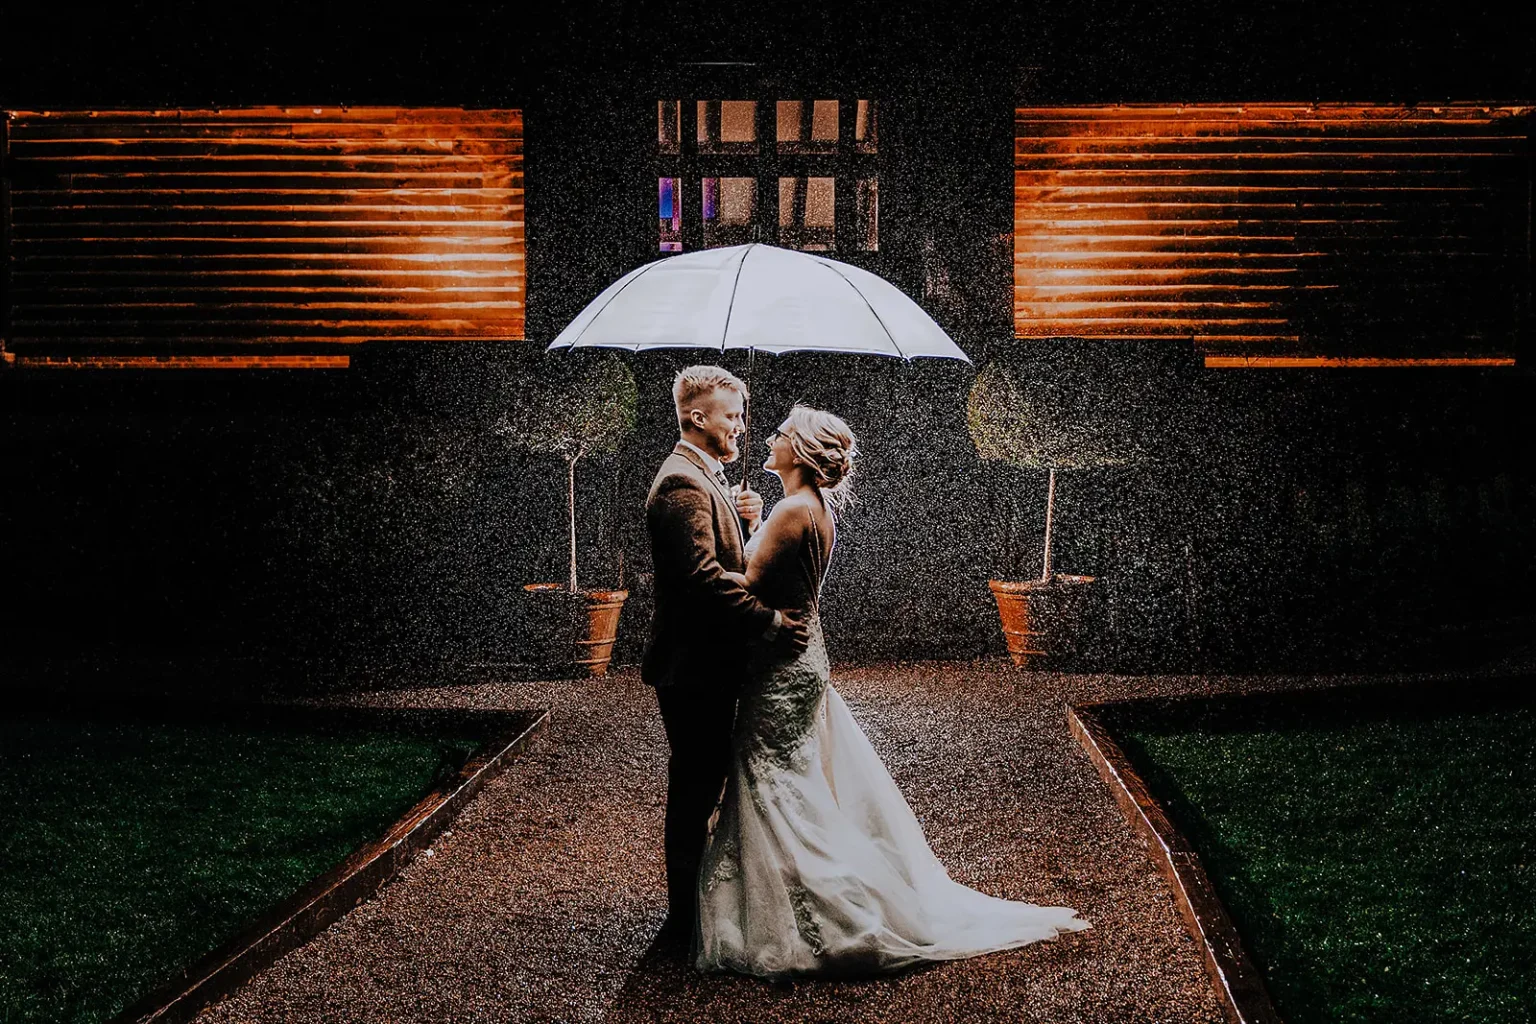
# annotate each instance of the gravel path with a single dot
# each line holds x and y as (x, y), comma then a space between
(541, 902)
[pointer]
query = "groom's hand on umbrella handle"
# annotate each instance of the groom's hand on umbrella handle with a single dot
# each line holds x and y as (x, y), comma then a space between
(793, 632)
(749, 505)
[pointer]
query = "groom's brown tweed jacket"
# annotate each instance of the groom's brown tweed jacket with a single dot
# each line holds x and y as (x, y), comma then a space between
(702, 619)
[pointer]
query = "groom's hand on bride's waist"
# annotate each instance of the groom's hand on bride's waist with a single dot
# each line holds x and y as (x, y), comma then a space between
(793, 633)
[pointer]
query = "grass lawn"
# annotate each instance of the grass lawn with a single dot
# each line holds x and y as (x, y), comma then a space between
(129, 849)
(1378, 863)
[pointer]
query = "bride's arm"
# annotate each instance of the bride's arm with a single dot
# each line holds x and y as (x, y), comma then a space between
(779, 538)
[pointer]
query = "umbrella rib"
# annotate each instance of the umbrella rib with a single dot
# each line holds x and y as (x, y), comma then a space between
(645, 270)
(878, 319)
(730, 306)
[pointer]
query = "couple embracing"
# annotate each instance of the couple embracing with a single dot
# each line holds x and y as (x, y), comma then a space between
(789, 849)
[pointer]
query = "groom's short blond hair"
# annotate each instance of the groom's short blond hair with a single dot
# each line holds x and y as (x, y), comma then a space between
(697, 382)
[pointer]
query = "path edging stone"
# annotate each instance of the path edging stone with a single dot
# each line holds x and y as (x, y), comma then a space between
(326, 898)
(1238, 983)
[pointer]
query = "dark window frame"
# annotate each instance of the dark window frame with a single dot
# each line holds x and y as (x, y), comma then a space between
(846, 165)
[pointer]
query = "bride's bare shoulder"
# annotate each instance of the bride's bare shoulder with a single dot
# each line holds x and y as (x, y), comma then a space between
(795, 509)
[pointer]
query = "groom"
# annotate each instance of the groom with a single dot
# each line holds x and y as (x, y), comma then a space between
(704, 620)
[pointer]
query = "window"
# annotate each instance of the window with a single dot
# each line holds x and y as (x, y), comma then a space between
(727, 126)
(866, 215)
(797, 171)
(728, 209)
(808, 126)
(669, 135)
(864, 137)
(807, 213)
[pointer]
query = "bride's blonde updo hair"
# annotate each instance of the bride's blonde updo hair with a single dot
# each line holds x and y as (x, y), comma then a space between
(824, 443)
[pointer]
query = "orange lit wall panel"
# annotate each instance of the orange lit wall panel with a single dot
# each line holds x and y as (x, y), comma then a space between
(1269, 234)
(273, 229)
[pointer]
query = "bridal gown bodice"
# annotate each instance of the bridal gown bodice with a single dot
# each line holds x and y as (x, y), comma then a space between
(817, 864)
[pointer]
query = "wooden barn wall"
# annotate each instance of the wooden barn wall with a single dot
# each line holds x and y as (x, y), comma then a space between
(269, 235)
(1275, 234)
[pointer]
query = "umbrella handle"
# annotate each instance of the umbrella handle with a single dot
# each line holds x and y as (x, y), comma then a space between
(746, 434)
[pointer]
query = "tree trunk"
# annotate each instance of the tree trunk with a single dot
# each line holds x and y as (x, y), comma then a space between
(1050, 508)
(570, 490)
(616, 521)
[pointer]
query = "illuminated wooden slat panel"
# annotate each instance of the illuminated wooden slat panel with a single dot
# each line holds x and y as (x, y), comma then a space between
(286, 115)
(245, 147)
(1329, 232)
(256, 232)
(200, 198)
(1299, 362)
(119, 294)
(41, 166)
(263, 226)
(425, 134)
(224, 362)
(444, 248)
(274, 331)
(1097, 149)
(1269, 153)
(68, 217)
(347, 181)
(1355, 254)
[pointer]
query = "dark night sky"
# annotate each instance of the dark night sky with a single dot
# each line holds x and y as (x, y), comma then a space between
(1088, 50)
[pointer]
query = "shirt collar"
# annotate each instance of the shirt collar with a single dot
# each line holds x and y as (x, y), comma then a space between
(713, 464)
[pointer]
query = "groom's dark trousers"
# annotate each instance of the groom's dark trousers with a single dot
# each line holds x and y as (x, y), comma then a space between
(698, 722)
(702, 623)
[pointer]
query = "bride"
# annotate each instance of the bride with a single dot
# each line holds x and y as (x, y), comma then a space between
(817, 864)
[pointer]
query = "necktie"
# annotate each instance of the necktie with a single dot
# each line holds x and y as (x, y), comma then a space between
(725, 485)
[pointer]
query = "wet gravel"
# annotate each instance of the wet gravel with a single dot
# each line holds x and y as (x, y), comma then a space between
(541, 901)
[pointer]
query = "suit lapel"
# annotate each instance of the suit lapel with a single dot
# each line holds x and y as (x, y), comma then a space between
(693, 457)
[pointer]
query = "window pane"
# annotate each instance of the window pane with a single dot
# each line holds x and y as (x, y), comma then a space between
(807, 127)
(669, 129)
(729, 206)
(806, 213)
(865, 136)
(866, 215)
(671, 210)
(727, 126)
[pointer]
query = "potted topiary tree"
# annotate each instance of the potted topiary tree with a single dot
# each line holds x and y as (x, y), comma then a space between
(1051, 415)
(572, 408)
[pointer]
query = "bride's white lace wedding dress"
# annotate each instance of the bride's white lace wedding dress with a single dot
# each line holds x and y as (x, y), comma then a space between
(817, 864)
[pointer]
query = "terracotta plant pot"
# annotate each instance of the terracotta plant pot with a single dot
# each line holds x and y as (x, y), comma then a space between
(1042, 619)
(573, 634)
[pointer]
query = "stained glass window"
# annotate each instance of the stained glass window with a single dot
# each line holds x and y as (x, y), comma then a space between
(671, 210)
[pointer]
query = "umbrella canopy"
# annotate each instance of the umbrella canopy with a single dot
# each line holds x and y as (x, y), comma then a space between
(760, 298)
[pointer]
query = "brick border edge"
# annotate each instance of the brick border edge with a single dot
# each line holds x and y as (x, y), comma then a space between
(328, 897)
(1239, 985)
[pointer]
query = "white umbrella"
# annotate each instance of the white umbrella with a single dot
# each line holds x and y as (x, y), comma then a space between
(760, 298)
